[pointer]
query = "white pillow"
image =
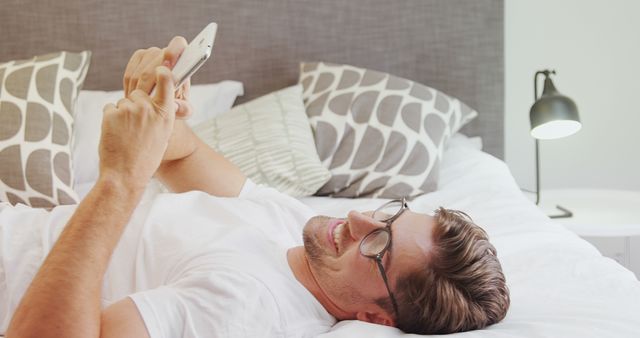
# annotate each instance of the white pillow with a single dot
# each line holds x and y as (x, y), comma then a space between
(208, 100)
(212, 99)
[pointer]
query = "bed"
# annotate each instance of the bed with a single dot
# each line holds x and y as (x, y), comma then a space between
(560, 285)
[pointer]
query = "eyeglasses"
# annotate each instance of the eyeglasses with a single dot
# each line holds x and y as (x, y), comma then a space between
(375, 244)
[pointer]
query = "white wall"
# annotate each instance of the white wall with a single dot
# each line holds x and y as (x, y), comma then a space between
(594, 46)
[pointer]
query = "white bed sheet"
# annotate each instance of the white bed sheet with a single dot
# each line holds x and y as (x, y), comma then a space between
(560, 284)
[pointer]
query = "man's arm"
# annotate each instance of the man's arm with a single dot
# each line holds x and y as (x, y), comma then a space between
(188, 164)
(63, 299)
(202, 168)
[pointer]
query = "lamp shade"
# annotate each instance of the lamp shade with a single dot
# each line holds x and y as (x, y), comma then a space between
(553, 115)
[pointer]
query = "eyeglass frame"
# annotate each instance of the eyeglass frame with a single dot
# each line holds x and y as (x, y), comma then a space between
(378, 257)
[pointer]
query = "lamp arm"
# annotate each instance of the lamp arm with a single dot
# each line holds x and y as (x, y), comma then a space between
(546, 73)
(537, 172)
(535, 85)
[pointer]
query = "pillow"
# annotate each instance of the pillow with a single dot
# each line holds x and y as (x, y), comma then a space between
(37, 99)
(208, 100)
(270, 140)
(379, 135)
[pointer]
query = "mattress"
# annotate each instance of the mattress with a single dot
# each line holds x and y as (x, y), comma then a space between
(560, 285)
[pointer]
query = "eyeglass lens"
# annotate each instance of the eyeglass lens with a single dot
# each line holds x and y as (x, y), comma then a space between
(387, 211)
(374, 243)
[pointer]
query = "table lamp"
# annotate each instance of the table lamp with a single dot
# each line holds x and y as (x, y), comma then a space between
(553, 116)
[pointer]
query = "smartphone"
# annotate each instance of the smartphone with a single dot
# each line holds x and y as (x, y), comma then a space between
(196, 53)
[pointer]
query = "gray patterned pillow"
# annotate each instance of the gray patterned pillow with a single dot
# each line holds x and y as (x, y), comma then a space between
(270, 140)
(36, 105)
(379, 135)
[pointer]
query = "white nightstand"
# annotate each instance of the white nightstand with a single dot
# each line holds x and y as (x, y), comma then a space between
(609, 219)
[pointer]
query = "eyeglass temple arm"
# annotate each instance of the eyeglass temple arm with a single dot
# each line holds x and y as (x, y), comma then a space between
(386, 283)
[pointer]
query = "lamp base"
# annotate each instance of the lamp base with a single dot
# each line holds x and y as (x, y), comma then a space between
(566, 213)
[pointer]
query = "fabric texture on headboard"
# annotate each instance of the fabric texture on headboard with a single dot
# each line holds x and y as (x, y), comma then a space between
(455, 46)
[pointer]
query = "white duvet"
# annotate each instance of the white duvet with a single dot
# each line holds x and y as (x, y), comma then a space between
(560, 284)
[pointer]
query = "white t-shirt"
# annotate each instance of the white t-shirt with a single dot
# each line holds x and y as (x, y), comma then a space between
(195, 265)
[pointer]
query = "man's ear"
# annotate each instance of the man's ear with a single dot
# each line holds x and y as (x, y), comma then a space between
(376, 318)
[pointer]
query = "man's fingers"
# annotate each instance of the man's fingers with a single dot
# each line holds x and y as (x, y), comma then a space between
(109, 108)
(184, 89)
(184, 109)
(173, 51)
(147, 78)
(165, 89)
(131, 66)
(146, 61)
(125, 104)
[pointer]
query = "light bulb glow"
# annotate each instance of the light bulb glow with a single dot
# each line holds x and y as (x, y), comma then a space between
(556, 129)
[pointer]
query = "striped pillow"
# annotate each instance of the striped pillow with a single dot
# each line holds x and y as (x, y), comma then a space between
(270, 140)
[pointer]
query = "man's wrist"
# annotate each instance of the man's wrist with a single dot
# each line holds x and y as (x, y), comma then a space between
(193, 147)
(120, 185)
(182, 144)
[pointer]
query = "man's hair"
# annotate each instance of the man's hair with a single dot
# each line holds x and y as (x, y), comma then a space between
(462, 286)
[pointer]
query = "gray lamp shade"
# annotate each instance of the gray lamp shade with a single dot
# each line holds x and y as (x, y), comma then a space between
(553, 115)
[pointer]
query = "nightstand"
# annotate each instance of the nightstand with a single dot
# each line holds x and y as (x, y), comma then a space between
(609, 219)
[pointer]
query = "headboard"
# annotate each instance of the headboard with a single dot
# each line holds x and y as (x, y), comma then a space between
(455, 46)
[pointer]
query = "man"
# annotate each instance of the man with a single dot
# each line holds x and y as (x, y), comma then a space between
(203, 264)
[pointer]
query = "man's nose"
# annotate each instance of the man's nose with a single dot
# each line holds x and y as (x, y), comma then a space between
(361, 224)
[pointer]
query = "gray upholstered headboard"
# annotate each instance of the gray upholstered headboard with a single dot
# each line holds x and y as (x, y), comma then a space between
(455, 46)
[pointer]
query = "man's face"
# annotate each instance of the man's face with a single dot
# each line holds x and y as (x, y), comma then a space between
(350, 280)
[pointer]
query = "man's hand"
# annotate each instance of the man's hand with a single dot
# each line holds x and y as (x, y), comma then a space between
(188, 163)
(136, 131)
(140, 71)
(140, 75)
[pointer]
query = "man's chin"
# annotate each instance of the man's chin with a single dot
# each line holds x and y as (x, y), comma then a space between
(312, 230)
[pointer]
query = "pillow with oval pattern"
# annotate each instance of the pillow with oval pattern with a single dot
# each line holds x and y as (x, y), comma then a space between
(37, 98)
(379, 135)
